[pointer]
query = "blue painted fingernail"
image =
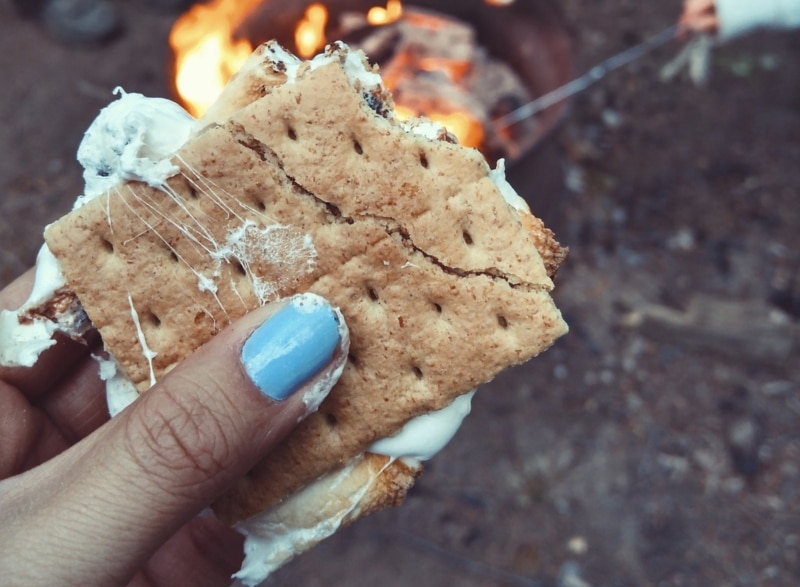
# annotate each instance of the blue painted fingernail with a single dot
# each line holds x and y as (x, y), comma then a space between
(292, 346)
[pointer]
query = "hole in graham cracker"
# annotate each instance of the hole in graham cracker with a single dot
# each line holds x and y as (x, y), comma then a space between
(290, 132)
(467, 237)
(238, 267)
(174, 256)
(417, 371)
(331, 419)
(153, 319)
(358, 148)
(373, 295)
(353, 360)
(107, 245)
(193, 193)
(423, 160)
(502, 321)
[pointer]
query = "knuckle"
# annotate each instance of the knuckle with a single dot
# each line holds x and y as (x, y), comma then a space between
(179, 441)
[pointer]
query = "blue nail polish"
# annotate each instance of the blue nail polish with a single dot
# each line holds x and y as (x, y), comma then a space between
(291, 347)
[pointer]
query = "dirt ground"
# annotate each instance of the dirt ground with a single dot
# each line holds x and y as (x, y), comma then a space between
(659, 442)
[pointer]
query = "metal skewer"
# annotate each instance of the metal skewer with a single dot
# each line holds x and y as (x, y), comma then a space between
(588, 79)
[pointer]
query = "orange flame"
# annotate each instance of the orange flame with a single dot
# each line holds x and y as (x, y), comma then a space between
(206, 55)
(309, 36)
(378, 16)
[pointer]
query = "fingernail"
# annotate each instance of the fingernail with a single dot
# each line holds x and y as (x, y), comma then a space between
(292, 346)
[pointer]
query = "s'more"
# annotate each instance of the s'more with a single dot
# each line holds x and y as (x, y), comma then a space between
(302, 179)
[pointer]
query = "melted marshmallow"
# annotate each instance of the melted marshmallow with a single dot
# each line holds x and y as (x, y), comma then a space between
(133, 138)
(510, 195)
(48, 279)
(274, 537)
(354, 66)
(424, 128)
(21, 342)
(120, 390)
(424, 436)
(290, 62)
(281, 246)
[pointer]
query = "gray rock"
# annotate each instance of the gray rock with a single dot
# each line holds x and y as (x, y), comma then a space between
(81, 21)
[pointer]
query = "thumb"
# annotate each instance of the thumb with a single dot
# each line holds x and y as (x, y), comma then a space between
(142, 476)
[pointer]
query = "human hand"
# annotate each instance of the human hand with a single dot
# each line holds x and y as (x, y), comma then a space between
(89, 501)
(699, 16)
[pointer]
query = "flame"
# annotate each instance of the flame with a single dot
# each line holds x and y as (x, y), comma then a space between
(309, 36)
(378, 16)
(206, 54)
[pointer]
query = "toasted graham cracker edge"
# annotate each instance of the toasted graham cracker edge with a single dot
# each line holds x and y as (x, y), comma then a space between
(367, 484)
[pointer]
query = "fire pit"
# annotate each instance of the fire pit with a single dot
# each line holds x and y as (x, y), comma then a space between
(522, 46)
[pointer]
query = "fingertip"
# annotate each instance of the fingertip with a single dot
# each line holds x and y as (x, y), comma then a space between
(292, 346)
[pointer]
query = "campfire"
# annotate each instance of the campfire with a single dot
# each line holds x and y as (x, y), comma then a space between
(431, 58)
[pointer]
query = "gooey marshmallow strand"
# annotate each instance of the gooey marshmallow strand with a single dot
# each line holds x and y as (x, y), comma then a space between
(134, 138)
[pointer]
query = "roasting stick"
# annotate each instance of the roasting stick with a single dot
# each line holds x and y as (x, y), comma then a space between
(588, 79)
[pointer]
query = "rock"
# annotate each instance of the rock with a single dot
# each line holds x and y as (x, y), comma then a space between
(570, 576)
(170, 6)
(81, 21)
(742, 330)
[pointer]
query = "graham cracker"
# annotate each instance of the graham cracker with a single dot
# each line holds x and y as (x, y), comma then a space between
(440, 281)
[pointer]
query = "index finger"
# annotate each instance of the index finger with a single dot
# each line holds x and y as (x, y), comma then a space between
(15, 293)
